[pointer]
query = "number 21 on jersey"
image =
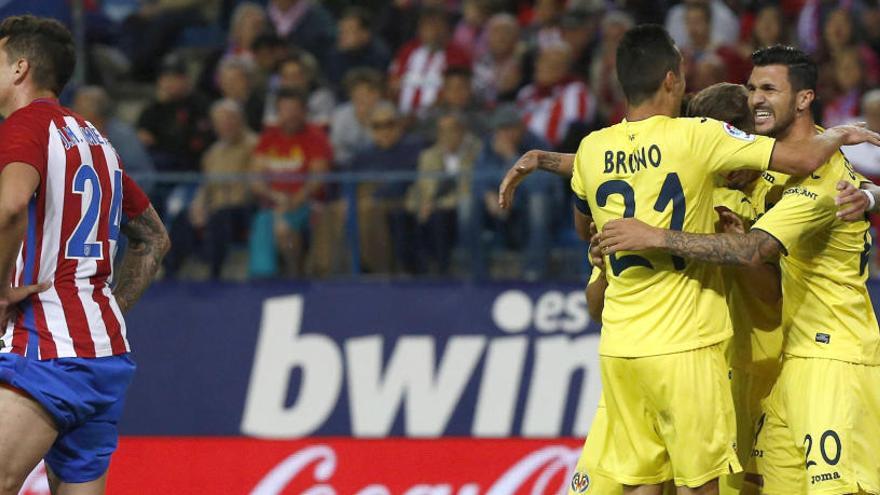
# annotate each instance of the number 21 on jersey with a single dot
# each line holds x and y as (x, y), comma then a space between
(670, 192)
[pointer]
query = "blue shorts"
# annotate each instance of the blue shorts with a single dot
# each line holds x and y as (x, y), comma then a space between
(85, 398)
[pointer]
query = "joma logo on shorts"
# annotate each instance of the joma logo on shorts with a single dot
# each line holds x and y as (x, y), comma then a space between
(818, 478)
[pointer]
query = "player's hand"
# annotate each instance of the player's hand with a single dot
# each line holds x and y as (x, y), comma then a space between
(629, 234)
(852, 202)
(739, 179)
(13, 296)
(731, 223)
(855, 134)
(596, 258)
(526, 164)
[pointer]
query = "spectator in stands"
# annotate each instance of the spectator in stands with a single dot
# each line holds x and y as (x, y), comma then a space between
(300, 72)
(724, 23)
(220, 212)
(356, 46)
(870, 26)
(843, 107)
(383, 222)
(470, 32)
(866, 158)
(498, 73)
(603, 73)
(154, 29)
(722, 58)
(456, 95)
(269, 50)
(175, 127)
(579, 30)
(416, 73)
(93, 103)
(526, 226)
(248, 22)
(544, 28)
(769, 29)
(838, 37)
(433, 200)
(304, 24)
(556, 99)
(284, 152)
(236, 81)
(350, 125)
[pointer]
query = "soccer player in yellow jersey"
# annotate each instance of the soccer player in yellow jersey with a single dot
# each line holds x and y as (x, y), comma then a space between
(754, 350)
(668, 401)
(820, 430)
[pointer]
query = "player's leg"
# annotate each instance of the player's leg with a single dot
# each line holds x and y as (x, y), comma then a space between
(585, 479)
(699, 434)
(634, 454)
(643, 490)
(710, 488)
(58, 487)
(26, 433)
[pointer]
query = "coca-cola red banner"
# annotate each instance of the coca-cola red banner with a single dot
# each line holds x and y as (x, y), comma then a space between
(325, 466)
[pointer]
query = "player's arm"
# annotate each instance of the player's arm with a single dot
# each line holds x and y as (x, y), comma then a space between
(803, 157)
(763, 280)
(147, 244)
(561, 164)
(18, 183)
(751, 249)
(595, 291)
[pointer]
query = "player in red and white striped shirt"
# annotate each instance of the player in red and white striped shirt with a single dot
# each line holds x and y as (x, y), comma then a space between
(64, 195)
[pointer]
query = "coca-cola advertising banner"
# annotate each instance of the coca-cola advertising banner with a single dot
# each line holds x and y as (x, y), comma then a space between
(325, 466)
(363, 360)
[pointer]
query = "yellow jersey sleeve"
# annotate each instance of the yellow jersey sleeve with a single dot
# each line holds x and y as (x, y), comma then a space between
(595, 274)
(577, 184)
(724, 148)
(801, 212)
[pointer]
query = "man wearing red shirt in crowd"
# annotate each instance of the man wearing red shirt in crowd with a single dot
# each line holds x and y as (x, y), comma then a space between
(284, 153)
(416, 73)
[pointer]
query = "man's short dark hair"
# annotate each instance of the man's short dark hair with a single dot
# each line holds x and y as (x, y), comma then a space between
(47, 46)
(723, 101)
(458, 71)
(702, 7)
(431, 13)
(292, 94)
(366, 76)
(645, 54)
(802, 70)
(360, 14)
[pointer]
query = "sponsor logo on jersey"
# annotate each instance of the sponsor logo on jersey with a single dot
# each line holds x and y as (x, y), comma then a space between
(737, 133)
(823, 338)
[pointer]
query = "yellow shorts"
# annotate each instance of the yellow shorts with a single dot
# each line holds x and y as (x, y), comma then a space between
(585, 479)
(749, 386)
(820, 430)
(669, 417)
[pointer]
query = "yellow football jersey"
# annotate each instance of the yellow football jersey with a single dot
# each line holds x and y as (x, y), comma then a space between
(827, 312)
(660, 170)
(757, 334)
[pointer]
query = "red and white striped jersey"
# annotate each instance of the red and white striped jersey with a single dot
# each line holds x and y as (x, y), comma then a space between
(549, 111)
(420, 72)
(73, 229)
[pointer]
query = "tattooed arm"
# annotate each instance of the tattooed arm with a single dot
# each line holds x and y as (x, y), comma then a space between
(147, 244)
(560, 164)
(751, 249)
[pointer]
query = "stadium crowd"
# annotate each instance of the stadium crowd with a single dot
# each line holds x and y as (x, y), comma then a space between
(414, 108)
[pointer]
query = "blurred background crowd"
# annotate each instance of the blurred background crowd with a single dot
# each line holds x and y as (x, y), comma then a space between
(307, 138)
